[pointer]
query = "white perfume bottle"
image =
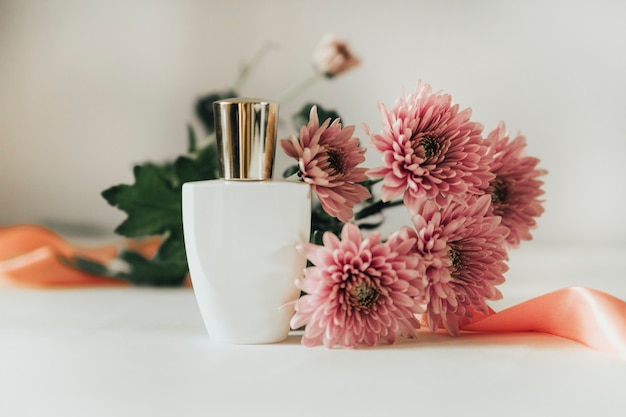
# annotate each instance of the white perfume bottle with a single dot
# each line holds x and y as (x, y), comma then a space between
(241, 231)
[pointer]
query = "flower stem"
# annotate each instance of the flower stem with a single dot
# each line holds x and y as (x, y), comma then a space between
(298, 88)
(245, 70)
(376, 207)
(370, 182)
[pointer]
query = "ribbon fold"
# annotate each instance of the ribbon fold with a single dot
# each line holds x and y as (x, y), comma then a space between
(585, 315)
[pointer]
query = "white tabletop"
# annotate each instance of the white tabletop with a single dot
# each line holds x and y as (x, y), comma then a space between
(145, 352)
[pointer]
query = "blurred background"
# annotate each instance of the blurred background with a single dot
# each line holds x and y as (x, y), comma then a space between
(90, 88)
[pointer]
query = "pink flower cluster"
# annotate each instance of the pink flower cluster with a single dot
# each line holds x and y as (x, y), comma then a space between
(469, 198)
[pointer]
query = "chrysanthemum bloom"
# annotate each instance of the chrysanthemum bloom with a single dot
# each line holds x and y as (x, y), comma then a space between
(327, 157)
(464, 252)
(333, 57)
(516, 188)
(430, 149)
(360, 290)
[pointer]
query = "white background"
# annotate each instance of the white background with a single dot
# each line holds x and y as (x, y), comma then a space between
(89, 88)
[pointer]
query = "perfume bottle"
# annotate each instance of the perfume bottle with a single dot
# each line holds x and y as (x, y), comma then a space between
(241, 231)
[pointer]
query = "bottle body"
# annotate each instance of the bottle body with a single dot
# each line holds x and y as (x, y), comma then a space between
(241, 239)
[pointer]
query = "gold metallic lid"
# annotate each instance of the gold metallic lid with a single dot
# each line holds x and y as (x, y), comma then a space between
(246, 137)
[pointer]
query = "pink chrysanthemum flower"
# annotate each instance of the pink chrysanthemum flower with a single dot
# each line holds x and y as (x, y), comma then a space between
(464, 251)
(328, 158)
(516, 188)
(430, 149)
(360, 290)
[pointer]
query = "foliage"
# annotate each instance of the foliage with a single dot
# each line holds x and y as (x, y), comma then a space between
(153, 204)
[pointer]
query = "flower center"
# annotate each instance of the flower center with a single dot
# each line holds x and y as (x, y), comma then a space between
(336, 161)
(455, 257)
(499, 192)
(430, 146)
(364, 295)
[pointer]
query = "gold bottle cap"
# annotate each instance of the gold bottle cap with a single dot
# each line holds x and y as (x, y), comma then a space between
(246, 131)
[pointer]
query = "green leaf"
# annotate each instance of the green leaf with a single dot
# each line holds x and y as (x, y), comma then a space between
(317, 237)
(206, 164)
(291, 170)
(140, 270)
(302, 117)
(168, 267)
(154, 207)
(153, 272)
(204, 108)
(192, 142)
(88, 265)
(153, 204)
(197, 167)
(172, 250)
(185, 170)
(324, 222)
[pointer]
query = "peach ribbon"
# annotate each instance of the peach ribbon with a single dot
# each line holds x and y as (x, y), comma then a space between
(585, 315)
(29, 256)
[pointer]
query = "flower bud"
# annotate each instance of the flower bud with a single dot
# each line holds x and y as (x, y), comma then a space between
(333, 57)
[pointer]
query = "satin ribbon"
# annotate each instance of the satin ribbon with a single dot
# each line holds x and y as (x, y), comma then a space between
(29, 255)
(585, 315)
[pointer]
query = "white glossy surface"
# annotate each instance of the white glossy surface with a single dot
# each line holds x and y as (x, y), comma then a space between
(145, 352)
(241, 239)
